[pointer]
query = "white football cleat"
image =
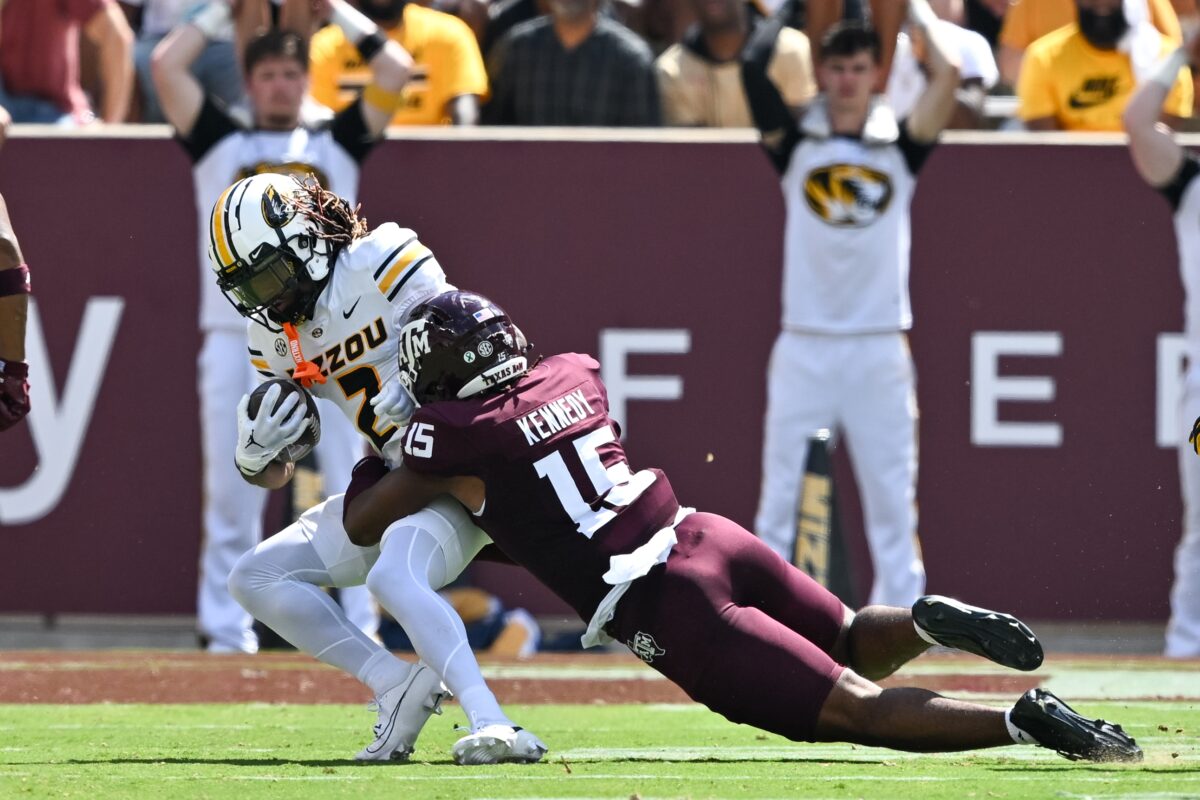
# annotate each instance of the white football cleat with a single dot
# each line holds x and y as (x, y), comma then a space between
(403, 711)
(499, 744)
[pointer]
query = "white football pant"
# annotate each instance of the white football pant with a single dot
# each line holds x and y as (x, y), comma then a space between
(233, 508)
(861, 386)
(1183, 630)
(278, 582)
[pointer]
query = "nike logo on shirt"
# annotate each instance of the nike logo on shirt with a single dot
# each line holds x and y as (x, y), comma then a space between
(346, 314)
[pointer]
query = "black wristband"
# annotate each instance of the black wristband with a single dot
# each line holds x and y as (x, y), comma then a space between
(370, 45)
(14, 369)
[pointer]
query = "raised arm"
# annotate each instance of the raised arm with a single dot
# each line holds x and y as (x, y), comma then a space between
(109, 31)
(179, 93)
(390, 63)
(1155, 153)
(936, 104)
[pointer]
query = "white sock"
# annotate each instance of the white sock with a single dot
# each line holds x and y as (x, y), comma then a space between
(1018, 736)
(383, 671)
(482, 709)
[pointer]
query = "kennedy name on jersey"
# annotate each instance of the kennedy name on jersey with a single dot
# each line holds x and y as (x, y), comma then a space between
(550, 418)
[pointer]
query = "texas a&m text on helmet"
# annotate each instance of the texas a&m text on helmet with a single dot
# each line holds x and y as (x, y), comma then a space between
(459, 344)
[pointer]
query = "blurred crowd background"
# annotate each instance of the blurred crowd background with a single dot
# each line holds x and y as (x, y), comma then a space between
(599, 62)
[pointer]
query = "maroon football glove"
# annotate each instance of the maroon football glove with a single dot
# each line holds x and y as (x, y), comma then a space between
(14, 392)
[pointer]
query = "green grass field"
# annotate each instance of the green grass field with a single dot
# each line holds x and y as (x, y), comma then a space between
(304, 751)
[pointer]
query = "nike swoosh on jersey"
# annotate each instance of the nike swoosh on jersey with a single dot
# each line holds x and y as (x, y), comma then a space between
(346, 314)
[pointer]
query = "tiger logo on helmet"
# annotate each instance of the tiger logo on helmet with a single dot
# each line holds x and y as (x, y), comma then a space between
(268, 254)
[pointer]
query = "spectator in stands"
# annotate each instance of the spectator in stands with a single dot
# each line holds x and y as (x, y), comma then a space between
(39, 60)
(223, 149)
(1080, 77)
(700, 78)
(848, 171)
(448, 81)
(14, 305)
(573, 67)
(1172, 170)
(216, 69)
(1029, 20)
(977, 69)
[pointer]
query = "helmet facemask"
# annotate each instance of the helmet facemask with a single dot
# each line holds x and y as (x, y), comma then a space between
(271, 261)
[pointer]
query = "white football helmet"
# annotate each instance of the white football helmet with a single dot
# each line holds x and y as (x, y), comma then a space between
(262, 246)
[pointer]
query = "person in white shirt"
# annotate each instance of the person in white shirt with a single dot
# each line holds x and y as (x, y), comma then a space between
(848, 171)
(1172, 170)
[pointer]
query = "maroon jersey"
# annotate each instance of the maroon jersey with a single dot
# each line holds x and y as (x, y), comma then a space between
(561, 498)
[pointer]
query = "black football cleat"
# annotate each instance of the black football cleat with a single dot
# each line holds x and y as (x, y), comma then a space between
(1055, 725)
(998, 637)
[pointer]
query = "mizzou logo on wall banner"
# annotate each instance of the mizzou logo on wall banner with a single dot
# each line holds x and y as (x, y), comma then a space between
(848, 195)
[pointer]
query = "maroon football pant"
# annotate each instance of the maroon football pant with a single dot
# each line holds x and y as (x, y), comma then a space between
(737, 627)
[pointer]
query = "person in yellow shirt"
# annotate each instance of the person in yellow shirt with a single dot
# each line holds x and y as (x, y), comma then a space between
(1026, 21)
(1077, 78)
(447, 83)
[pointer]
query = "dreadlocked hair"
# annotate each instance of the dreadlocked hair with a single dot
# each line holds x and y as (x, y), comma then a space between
(336, 221)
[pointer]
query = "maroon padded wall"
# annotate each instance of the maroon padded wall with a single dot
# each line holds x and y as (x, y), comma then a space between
(578, 237)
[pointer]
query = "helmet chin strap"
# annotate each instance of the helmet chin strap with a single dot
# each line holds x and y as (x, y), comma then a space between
(306, 373)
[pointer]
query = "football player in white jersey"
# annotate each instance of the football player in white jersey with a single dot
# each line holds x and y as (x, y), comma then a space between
(224, 147)
(1170, 169)
(323, 295)
(848, 171)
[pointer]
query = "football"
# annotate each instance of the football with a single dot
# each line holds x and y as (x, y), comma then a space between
(312, 433)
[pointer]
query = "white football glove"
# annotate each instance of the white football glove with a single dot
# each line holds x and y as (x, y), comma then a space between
(393, 405)
(261, 439)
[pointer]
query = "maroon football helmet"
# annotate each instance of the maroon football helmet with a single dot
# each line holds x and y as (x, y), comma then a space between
(457, 345)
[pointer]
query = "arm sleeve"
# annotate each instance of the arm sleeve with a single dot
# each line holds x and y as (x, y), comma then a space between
(349, 129)
(1174, 189)
(915, 153)
(774, 121)
(213, 125)
(437, 447)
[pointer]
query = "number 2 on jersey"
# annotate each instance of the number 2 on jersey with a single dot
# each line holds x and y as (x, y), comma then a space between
(366, 380)
(615, 483)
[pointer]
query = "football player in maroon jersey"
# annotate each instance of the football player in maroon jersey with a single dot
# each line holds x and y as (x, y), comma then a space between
(529, 449)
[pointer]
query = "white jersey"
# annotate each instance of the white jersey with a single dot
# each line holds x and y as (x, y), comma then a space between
(1184, 194)
(224, 151)
(847, 236)
(351, 335)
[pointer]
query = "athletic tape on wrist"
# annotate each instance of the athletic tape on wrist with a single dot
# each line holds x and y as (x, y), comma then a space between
(14, 281)
(370, 45)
